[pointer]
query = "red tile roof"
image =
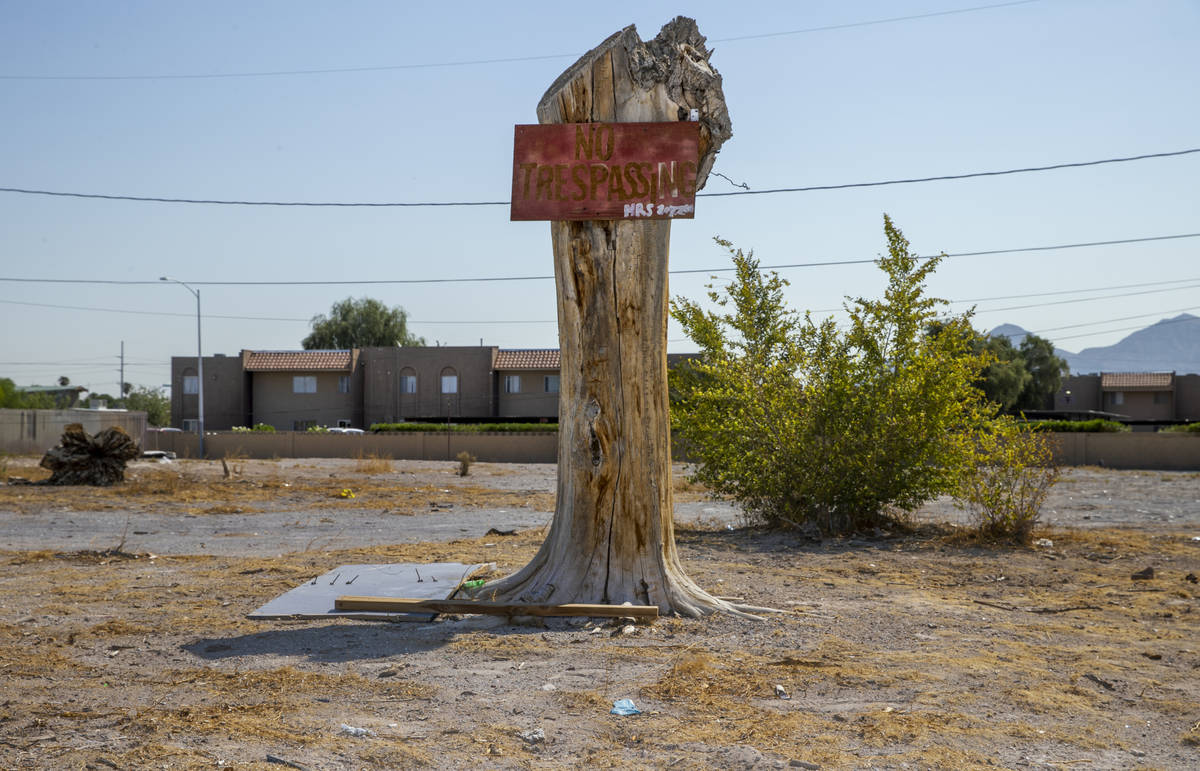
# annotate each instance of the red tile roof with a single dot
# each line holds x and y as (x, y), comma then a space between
(1137, 381)
(297, 361)
(527, 358)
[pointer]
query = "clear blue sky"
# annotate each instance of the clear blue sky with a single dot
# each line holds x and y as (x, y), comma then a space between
(1028, 84)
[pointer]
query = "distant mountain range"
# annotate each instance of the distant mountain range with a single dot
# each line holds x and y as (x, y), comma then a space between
(1170, 345)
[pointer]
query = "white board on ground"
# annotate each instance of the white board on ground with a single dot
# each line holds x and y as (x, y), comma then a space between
(315, 598)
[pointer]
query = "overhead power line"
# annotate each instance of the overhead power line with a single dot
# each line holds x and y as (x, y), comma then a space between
(378, 282)
(1122, 318)
(1124, 329)
(256, 318)
(1091, 299)
(504, 60)
(419, 204)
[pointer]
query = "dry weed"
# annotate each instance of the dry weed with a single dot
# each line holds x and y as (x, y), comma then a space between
(372, 463)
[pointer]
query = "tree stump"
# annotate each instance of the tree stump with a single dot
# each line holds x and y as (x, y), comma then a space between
(82, 459)
(612, 538)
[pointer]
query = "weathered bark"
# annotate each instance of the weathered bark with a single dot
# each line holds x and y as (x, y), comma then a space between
(82, 459)
(612, 538)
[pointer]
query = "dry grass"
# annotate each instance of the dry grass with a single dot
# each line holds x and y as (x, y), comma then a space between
(372, 463)
(925, 650)
(196, 493)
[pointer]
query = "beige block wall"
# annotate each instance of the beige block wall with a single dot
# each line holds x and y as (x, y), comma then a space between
(1133, 450)
(498, 447)
(24, 432)
(1179, 452)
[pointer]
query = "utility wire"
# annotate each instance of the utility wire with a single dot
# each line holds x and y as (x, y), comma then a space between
(257, 318)
(419, 204)
(1191, 281)
(1078, 291)
(1090, 299)
(1123, 318)
(492, 322)
(376, 282)
(505, 60)
(1124, 329)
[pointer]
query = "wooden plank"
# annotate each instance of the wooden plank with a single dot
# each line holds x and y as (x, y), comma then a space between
(403, 605)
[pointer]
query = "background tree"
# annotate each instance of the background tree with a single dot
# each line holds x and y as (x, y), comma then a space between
(805, 424)
(360, 324)
(1046, 372)
(1005, 377)
(153, 402)
(14, 398)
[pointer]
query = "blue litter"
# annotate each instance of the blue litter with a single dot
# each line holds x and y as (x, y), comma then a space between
(625, 707)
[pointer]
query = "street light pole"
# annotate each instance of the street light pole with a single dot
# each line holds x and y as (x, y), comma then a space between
(199, 364)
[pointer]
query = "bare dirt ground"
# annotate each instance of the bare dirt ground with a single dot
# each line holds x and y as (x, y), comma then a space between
(124, 642)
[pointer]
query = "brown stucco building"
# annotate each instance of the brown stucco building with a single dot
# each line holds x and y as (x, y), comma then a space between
(1145, 397)
(293, 390)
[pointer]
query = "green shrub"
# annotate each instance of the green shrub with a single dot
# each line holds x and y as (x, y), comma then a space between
(1013, 472)
(467, 427)
(1190, 428)
(262, 428)
(806, 424)
(1095, 426)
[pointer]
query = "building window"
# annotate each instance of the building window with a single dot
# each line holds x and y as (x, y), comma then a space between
(512, 384)
(408, 384)
(551, 384)
(303, 425)
(449, 384)
(191, 424)
(1118, 398)
(1160, 397)
(343, 384)
(191, 384)
(304, 384)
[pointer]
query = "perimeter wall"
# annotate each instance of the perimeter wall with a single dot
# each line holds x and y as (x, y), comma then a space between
(24, 432)
(1125, 450)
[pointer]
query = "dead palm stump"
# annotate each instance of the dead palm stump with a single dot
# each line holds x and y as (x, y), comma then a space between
(82, 459)
(612, 539)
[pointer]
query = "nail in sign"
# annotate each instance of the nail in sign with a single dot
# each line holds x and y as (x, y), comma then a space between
(605, 171)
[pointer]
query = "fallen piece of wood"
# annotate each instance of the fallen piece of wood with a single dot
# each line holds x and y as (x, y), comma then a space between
(1037, 610)
(403, 605)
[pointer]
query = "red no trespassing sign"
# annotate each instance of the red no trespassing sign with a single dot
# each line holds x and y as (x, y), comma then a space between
(605, 171)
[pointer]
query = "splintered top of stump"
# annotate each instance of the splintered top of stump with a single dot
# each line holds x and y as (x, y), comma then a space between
(625, 80)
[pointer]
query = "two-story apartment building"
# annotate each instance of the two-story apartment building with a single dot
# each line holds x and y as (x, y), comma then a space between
(1144, 397)
(293, 390)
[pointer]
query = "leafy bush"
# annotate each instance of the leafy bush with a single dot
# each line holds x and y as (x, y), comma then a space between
(317, 430)
(262, 428)
(1013, 472)
(806, 424)
(467, 427)
(1190, 428)
(152, 401)
(1095, 426)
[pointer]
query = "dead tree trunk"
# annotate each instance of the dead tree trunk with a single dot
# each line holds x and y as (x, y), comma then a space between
(612, 539)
